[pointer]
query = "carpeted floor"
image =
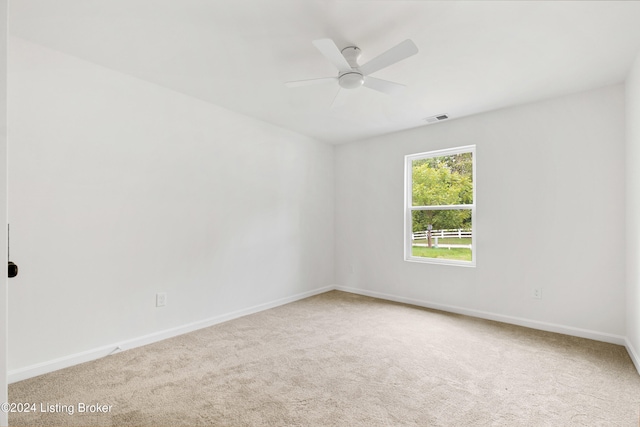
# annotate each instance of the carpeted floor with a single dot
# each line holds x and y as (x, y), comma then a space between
(339, 359)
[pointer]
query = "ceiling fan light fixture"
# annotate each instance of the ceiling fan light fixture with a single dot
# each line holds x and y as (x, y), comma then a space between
(351, 80)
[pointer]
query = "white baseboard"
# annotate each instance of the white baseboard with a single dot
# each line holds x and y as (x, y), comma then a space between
(633, 354)
(534, 324)
(20, 374)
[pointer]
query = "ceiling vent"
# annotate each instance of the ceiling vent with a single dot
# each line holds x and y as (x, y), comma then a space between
(437, 118)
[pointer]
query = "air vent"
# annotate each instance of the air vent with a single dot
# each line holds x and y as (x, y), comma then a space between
(437, 118)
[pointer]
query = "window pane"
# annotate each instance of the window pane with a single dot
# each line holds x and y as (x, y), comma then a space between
(445, 180)
(444, 234)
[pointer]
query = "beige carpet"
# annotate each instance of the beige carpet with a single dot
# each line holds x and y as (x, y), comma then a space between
(339, 359)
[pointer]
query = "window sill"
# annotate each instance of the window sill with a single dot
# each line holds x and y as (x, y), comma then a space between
(439, 261)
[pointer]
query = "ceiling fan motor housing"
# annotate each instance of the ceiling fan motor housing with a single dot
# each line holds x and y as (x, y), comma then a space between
(351, 79)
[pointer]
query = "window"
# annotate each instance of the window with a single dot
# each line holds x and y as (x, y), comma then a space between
(440, 206)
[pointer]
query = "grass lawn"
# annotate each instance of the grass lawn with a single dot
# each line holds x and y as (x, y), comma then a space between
(462, 254)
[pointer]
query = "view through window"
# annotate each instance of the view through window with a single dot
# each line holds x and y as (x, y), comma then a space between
(440, 206)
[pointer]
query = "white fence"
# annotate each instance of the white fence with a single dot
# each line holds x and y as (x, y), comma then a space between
(459, 233)
(421, 236)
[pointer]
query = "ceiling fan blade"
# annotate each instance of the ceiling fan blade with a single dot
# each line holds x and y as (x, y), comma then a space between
(341, 98)
(329, 49)
(396, 54)
(299, 83)
(384, 86)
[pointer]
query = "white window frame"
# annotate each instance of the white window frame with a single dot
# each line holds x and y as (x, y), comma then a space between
(408, 208)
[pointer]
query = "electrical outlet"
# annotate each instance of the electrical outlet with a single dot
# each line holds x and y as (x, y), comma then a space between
(161, 299)
(536, 293)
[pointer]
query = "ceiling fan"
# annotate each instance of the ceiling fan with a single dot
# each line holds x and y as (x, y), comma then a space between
(351, 75)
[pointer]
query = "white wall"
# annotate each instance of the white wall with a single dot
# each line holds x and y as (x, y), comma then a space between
(120, 189)
(3, 205)
(633, 210)
(550, 214)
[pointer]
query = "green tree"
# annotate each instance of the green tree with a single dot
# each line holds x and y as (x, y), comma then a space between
(438, 181)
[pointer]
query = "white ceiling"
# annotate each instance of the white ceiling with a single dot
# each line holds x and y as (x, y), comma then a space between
(474, 55)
